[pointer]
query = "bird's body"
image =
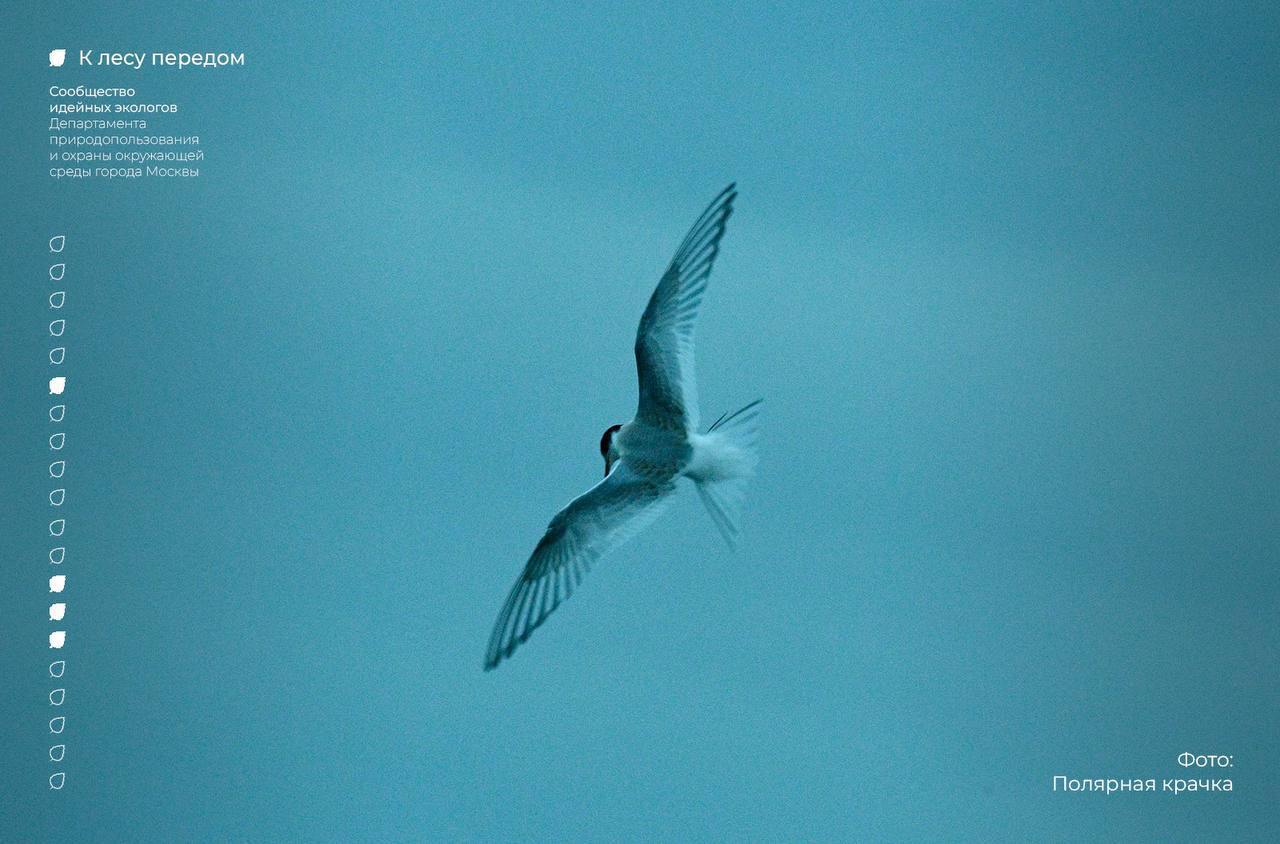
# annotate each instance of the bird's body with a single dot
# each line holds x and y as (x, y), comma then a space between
(645, 457)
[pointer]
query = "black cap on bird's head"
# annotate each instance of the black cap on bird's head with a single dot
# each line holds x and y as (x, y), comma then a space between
(606, 445)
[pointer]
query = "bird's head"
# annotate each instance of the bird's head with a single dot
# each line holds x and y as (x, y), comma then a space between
(607, 449)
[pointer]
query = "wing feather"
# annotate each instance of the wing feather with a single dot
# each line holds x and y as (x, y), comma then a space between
(664, 340)
(590, 526)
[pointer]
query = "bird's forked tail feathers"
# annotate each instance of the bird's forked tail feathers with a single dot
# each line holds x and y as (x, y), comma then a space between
(723, 488)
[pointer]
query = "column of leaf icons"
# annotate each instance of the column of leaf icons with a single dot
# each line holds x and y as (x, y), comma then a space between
(57, 497)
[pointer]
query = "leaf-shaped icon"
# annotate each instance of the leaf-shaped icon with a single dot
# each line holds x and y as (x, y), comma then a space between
(57, 555)
(57, 441)
(57, 669)
(57, 468)
(57, 752)
(57, 384)
(57, 299)
(57, 638)
(57, 697)
(59, 241)
(57, 583)
(57, 355)
(57, 496)
(57, 725)
(57, 526)
(57, 57)
(58, 780)
(57, 271)
(57, 612)
(57, 327)
(58, 412)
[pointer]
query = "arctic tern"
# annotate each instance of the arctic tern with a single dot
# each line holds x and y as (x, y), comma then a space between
(645, 457)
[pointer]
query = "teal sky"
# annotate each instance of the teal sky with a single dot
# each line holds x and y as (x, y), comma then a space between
(1005, 275)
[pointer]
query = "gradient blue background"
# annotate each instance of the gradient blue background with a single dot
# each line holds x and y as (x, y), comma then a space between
(1006, 277)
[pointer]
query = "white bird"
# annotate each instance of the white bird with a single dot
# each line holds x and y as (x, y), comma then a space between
(644, 458)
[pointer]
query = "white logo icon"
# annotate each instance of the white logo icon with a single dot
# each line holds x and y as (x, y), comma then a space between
(57, 57)
(57, 638)
(57, 612)
(57, 385)
(56, 584)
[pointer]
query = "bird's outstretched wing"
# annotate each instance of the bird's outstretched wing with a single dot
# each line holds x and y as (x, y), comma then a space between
(591, 525)
(664, 341)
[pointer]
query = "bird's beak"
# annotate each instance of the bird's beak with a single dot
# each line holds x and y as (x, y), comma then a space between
(608, 464)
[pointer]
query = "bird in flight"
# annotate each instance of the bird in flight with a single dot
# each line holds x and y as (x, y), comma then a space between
(645, 457)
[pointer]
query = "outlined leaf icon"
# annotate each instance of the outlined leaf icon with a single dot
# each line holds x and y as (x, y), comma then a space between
(57, 781)
(57, 496)
(57, 725)
(57, 468)
(57, 752)
(57, 355)
(57, 697)
(58, 411)
(59, 241)
(57, 527)
(58, 668)
(57, 441)
(57, 271)
(57, 299)
(57, 555)
(57, 327)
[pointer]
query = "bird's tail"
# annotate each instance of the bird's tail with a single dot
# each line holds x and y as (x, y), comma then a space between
(722, 481)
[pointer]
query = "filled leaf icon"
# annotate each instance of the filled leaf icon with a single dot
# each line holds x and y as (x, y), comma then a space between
(56, 584)
(57, 612)
(57, 638)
